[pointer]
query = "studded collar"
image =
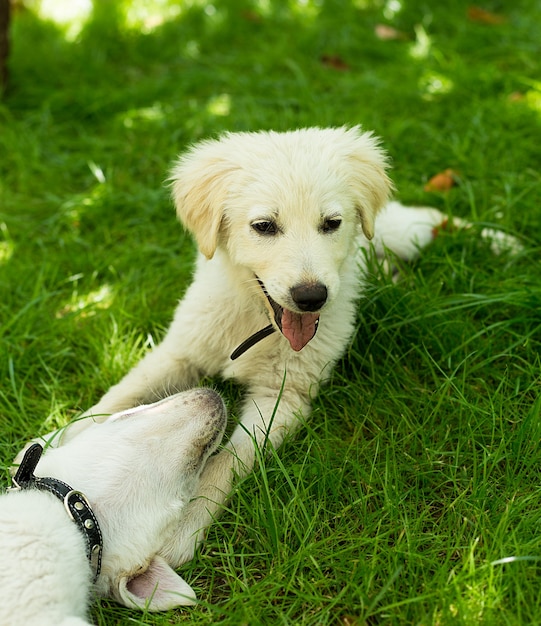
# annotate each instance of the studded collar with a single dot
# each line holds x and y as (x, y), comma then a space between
(75, 503)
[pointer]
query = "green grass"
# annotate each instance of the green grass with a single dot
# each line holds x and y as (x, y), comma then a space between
(413, 494)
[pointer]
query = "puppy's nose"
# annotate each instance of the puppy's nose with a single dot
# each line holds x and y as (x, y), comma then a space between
(309, 297)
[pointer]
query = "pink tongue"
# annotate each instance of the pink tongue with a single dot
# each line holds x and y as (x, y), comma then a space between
(299, 328)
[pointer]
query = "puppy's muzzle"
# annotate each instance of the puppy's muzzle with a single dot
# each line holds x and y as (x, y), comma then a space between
(309, 297)
(298, 327)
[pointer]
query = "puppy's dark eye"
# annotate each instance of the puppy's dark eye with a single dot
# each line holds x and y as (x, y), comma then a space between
(331, 224)
(265, 227)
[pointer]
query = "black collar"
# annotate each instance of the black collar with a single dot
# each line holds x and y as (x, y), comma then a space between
(251, 341)
(75, 503)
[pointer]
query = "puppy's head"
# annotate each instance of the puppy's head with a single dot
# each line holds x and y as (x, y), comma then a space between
(210, 178)
(139, 469)
(286, 207)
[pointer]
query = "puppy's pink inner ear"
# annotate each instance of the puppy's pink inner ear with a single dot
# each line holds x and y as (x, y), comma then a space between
(158, 588)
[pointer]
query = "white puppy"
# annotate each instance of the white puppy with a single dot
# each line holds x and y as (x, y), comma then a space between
(283, 222)
(137, 472)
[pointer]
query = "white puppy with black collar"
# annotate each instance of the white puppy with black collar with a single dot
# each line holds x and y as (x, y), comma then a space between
(138, 471)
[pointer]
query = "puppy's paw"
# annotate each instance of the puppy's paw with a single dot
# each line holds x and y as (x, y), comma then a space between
(502, 243)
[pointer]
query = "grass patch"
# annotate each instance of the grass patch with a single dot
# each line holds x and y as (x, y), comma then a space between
(412, 495)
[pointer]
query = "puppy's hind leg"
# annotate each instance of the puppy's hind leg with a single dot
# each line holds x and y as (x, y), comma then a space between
(406, 230)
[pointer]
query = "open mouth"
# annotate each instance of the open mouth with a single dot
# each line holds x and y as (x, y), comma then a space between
(297, 328)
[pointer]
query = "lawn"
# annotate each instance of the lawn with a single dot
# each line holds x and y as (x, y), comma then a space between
(412, 496)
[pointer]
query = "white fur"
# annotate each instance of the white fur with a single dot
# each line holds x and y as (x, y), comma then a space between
(222, 188)
(138, 470)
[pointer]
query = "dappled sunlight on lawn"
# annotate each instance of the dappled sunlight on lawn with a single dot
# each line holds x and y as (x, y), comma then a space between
(433, 84)
(219, 105)
(6, 251)
(136, 116)
(86, 304)
(532, 97)
(71, 14)
(197, 114)
(147, 15)
(144, 15)
(7, 246)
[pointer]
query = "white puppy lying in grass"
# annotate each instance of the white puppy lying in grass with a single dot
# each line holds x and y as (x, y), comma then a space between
(137, 472)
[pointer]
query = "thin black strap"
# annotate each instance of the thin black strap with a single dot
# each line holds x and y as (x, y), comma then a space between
(25, 473)
(251, 341)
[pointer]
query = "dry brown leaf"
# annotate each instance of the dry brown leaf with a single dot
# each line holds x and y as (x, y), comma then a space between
(516, 96)
(477, 14)
(388, 33)
(251, 16)
(335, 62)
(443, 181)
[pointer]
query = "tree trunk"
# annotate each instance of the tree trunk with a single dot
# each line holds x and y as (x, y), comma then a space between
(4, 43)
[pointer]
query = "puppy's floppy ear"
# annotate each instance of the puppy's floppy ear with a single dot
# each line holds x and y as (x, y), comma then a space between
(200, 182)
(368, 163)
(157, 588)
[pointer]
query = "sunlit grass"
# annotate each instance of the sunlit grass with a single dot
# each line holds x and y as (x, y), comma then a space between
(70, 14)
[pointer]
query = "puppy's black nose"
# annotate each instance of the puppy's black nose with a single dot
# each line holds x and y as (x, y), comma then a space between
(309, 297)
